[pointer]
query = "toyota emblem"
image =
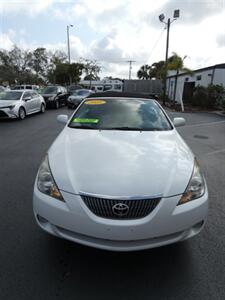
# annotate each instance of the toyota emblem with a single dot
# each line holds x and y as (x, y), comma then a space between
(120, 209)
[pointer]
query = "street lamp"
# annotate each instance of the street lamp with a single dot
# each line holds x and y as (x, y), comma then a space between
(176, 15)
(68, 40)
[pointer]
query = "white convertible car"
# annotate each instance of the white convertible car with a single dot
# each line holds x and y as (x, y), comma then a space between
(120, 177)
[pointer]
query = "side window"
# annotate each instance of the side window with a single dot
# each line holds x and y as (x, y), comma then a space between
(26, 94)
(33, 95)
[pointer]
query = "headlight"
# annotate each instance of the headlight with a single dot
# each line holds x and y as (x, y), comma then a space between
(195, 188)
(45, 181)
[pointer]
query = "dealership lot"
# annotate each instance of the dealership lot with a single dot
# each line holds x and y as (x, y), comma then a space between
(34, 265)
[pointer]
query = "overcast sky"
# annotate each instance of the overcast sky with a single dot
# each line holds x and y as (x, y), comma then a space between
(114, 31)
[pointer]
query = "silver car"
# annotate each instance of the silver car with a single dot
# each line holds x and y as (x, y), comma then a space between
(20, 103)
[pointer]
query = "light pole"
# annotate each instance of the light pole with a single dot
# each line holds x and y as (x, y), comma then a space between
(176, 15)
(68, 40)
(130, 67)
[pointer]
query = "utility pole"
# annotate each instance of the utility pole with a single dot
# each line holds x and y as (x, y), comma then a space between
(130, 67)
(68, 45)
(176, 15)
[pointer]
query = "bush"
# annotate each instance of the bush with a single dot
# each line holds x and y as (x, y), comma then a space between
(208, 97)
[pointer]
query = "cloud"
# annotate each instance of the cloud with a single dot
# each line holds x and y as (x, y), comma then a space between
(191, 12)
(221, 40)
(113, 32)
(27, 7)
(5, 41)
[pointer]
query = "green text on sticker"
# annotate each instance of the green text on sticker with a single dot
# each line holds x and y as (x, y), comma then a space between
(83, 120)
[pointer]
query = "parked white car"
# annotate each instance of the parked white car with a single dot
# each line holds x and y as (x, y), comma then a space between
(20, 103)
(120, 177)
(25, 87)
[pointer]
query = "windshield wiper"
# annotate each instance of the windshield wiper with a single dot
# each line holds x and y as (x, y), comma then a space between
(126, 128)
(83, 127)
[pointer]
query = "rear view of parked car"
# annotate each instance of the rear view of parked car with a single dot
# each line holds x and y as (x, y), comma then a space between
(77, 97)
(55, 96)
(19, 104)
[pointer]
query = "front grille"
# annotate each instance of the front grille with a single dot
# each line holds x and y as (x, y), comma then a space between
(120, 209)
(3, 114)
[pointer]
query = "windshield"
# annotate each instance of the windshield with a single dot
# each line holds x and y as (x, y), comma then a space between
(120, 114)
(10, 95)
(81, 93)
(50, 90)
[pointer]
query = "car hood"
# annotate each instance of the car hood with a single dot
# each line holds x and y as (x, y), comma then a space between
(79, 98)
(48, 95)
(4, 103)
(121, 163)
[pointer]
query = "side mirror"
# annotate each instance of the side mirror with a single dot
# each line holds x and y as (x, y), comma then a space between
(177, 122)
(27, 98)
(62, 119)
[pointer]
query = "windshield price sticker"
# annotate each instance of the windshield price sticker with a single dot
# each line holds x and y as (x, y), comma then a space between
(83, 120)
(95, 102)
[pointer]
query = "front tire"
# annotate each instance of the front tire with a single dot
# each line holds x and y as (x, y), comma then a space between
(22, 113)
(56, 104)
(42, 110)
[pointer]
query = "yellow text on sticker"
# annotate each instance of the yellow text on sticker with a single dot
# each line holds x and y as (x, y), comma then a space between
(95, 102)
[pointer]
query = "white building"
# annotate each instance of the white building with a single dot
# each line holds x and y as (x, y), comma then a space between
(186, 82)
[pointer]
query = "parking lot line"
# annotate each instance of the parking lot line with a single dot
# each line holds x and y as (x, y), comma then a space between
(216, 152)
(205, 124)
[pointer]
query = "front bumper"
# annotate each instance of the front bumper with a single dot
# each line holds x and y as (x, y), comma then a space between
(72, 220)
(7, 113)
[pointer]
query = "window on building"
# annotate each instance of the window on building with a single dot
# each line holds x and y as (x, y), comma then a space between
(117, 86)
(198, 77)
(187, 79)
(107, 87)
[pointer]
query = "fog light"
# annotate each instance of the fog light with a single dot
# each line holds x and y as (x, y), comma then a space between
(41, 219)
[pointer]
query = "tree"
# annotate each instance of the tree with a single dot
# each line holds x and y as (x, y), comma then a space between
(91, 77)
(143, 72)
(64, 71)
(175, 62)
(157, 70)
(40, 61)
(91, 68)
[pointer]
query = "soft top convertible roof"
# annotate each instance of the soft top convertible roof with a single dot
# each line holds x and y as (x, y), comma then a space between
(119, 95)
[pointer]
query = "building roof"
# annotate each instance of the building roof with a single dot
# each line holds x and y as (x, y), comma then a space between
(218, 66)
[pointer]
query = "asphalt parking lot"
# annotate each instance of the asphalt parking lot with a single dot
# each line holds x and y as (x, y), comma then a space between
(34, 265)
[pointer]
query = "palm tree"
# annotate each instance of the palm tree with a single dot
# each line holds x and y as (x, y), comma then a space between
(143, 72)
(175, 62)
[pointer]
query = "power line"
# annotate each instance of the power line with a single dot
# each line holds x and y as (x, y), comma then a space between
(156, 43)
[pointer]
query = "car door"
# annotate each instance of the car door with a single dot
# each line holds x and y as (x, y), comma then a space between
(36, 101)
(28, 102)
(60, 95)
(65, 94)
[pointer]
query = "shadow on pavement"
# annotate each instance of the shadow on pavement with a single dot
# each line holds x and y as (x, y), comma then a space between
(100, 274)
